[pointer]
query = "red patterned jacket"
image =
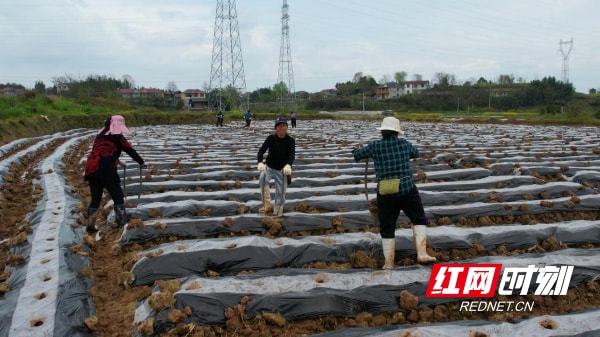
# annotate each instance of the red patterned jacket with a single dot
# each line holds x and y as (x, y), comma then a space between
(102, 162)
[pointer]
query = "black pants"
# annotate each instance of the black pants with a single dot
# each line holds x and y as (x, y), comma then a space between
(98, 186)
(389, 207)
(248, 121)
(219, 121)
(293, 122)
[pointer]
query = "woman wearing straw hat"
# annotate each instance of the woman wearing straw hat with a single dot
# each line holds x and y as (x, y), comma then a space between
(396, 189)
(101, 168)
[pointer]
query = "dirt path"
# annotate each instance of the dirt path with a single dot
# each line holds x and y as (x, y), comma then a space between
(115, 301)
(19, 196)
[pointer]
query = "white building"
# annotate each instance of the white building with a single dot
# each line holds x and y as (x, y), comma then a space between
(393, 90)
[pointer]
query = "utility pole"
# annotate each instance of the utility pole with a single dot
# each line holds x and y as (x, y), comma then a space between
(565, 48)
(286, 70)
(227, 67)
(490, 97)
(363, 102)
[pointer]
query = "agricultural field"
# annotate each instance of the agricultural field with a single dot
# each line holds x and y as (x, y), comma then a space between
(197, 259)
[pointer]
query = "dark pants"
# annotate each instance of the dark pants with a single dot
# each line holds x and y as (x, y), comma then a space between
(389, 207)
(219, 121)
(248, 121)
(293, 122)
(98, 186)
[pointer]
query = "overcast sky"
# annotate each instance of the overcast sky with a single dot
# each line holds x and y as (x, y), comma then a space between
(160, 41)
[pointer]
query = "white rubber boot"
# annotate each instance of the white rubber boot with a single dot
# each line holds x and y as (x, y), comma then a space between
(420, 238)
(278, 211)
(389, 252)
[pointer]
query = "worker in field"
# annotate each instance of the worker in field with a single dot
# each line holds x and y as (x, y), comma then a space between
(248, 118)
(277, 166)
(220, 118)
(396, 189)
(293, 118)
(101, 169)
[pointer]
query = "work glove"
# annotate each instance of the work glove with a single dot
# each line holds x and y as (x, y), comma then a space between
(287, 170)
(262, 167)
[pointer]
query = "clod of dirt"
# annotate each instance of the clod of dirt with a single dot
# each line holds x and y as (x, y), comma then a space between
(574, 199)
(203, 212)
(398, 318)
(364, 319)
(155, 213)
(321, 278)
(274, 319)
(238, 184)
(243, 209)
(379, 320)
(231, 245)
(125, 279)
(194, 285)
(444, 221)
(485, 221)
(426, 315)
(528, 196)
(413, 316)
(161, 301)
(155, 253)
(187, 310)
(170, 286)
(523, 208)
(135, 223)
(440, 312)
(212, 273)
(552, 243)
(91, 323)
(494, 197)
(273, 226)
(303, 207)
(478, 334)
(160, 226)
(20, 239)
(176, 316)
(547, 204)
(570, 204)
(146, 327)
(360, 259)
(228, 222)
(3, 288)
(408, 300)
(549, 324)
(15, 260)
(545, 195)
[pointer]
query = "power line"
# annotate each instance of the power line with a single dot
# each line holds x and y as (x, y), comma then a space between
(286, 70)
(227, 67)
(565, 48)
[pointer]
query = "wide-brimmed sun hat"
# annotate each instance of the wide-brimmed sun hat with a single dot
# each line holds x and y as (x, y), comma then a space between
(391, 124)
(117, 126)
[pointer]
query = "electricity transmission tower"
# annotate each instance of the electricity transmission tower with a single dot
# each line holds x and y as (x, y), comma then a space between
(565, 48)
(286, 70)
(227, 67)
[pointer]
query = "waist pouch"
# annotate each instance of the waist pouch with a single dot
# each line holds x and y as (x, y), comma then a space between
(390, 186)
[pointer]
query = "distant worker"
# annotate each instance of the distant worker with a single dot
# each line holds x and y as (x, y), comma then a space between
(248, 118)
(396, 189)
(101, 169)
(282, 152)
(293, 119)
(220, 118)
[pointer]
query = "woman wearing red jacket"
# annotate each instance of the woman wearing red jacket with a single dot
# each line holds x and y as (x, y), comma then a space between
(101, 169)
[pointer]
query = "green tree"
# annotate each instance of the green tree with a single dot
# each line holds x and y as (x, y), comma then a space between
(400, 77)
(505, 79)
(592, 91)
(39, 87)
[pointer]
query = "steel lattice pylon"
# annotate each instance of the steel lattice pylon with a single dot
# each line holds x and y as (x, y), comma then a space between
(286, 70)
(227, 67)
(565, 48)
